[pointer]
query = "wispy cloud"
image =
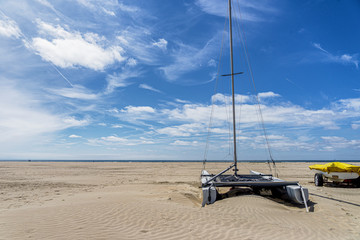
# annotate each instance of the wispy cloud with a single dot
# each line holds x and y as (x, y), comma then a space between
(147, 87)
(138, 42)
(8, 27)
(24, 116)
(120, 79)
(117, 141)
(335, 142)
(250, 11)
(345, 58)
(116, 126)
(355, 125)
(107, 7)
(76, 92)
(185, 143)
(188, 58)
(135, 114)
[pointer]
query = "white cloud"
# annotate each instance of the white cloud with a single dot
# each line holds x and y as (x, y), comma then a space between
(108, 12)
(135, 114)
(355, 125)
(73, 122)
(268, 95)
(138, 110)
(131, 62)
(184, 130)
(227, 99)
(351, 103)
(114, 139)
(181, 101)
(186, 119)
(114, 110)
(70, 49)
(145, 86)
(279, 114)
(336, 142)
(8, 27)
(190, 113)
(343, 59)
(74, 136)
(162, 44)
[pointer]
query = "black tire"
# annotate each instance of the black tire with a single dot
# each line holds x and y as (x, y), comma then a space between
(357, 182)
(318, 179)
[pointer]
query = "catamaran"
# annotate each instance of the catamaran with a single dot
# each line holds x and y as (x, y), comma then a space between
(255, 180)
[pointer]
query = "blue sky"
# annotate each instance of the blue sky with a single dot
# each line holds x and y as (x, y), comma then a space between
(106, 79)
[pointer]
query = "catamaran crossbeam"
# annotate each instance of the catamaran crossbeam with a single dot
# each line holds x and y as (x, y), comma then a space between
(290, 189)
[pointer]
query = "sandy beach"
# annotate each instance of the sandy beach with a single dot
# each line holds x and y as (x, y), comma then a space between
(75, 200)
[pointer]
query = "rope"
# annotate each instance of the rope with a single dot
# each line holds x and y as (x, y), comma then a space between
(212, 100)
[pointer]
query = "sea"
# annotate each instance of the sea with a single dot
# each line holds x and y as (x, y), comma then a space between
(181, 161)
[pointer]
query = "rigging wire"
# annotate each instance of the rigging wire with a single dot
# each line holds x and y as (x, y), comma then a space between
(228, 118)
(244, 44)
(237, 30)
(242, 37)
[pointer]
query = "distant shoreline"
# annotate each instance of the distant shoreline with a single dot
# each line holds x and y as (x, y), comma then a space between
(178, 161)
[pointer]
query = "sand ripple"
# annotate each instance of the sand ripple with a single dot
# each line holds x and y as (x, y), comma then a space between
(120, 205)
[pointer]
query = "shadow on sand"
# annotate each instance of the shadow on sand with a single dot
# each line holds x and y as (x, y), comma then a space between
(335, 199)
(266, 193)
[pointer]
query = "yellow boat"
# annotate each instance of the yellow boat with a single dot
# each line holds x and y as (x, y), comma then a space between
(337, 172)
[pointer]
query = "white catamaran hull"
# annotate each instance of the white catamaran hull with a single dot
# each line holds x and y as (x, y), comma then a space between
(297, 193)
(210, 192)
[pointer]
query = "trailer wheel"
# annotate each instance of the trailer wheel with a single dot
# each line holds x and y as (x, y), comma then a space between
(318, 179)
(357, 182)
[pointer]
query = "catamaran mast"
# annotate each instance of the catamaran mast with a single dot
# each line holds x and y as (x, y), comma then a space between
(232, 87)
